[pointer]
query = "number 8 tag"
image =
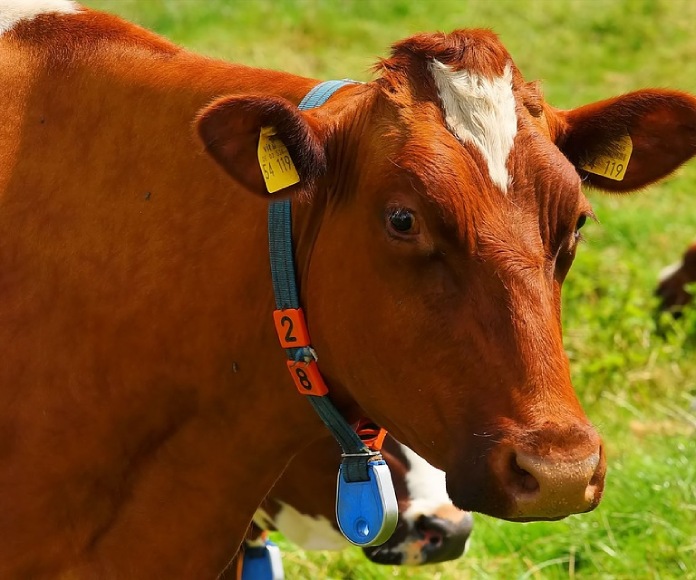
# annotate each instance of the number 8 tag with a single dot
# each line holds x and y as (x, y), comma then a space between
(307, 377)
(366, 511)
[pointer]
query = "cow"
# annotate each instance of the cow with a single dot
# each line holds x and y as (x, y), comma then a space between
(673, 280)
(146, 406)
(302, 506)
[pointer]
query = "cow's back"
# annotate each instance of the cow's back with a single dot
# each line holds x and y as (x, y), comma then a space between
(109, 209)
(111, 218)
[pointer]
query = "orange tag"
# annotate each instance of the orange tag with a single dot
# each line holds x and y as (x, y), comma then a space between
(307, 378)
(612, 166)
(291, 327)
(371, 434)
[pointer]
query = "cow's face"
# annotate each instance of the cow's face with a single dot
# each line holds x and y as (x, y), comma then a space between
(430, 529)
(434, 286)
(445, 210)
(673, 281)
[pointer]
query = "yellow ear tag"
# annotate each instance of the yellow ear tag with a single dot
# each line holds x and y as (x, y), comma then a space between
(274, 159)
(614, 165)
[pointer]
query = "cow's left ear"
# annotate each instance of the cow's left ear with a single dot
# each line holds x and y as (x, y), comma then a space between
(265, 143)
(625, 143)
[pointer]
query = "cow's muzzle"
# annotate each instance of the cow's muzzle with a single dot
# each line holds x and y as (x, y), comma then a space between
(543, 479)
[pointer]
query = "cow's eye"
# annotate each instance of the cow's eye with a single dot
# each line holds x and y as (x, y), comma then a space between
(401, 222)
(581, 222)
(578, 226)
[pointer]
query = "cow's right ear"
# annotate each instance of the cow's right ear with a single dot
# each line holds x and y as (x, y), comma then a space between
(251, 137)
(630, 141)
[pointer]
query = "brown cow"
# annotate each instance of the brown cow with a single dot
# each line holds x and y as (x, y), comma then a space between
(146, 409)
(673, 280)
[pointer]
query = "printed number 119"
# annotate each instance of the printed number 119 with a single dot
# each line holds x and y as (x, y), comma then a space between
(613, 168)
(284, 163)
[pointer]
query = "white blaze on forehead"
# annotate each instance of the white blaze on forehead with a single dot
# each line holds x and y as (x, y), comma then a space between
(14, 11)
(480, 111)
(426, 486)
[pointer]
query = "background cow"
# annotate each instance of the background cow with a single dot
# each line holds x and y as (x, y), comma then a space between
(673, 280)
(302, 506)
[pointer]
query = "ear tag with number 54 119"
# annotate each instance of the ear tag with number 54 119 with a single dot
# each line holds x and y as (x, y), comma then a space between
(366, 511)
(275, 162)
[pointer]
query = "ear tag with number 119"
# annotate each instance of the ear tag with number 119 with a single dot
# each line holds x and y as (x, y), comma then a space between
(275, 162)
(366, 511)
(612, 165)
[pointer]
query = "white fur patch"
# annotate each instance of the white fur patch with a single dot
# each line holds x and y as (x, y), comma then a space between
(480, 111)
(668, 271)
(426, 486)
(263, 520)
(14, 11)
(309, 533)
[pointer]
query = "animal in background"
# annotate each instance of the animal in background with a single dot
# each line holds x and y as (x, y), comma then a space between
(673, 280)
(302, 506)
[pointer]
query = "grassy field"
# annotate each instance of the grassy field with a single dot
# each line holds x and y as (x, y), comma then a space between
(636, 375)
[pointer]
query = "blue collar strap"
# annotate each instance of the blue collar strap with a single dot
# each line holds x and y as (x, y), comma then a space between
(301, 356)
(366, 507)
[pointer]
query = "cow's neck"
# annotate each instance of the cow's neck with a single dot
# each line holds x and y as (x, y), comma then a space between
(180, 371)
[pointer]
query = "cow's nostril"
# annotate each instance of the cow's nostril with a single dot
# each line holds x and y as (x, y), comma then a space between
(521, 477)
(598, 475)
(429, 531)
(434, 539)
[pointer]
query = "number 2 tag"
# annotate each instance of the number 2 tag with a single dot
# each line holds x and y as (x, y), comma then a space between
(276, 164)
(614, 165)
(366, 511)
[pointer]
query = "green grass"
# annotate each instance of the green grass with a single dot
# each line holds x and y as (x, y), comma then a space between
(635, 375)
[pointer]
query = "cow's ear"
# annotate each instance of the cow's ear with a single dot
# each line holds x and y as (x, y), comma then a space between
(625, 143)
(265, 143)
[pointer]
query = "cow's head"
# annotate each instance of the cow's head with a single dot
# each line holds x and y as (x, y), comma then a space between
(444, 214)
(430, 529)
(673, 281)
